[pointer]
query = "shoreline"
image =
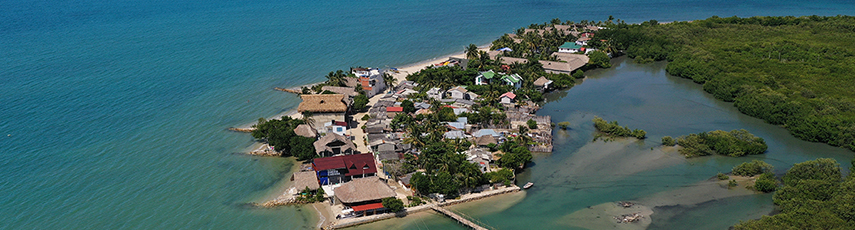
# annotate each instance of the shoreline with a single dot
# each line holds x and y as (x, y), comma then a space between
(324, 220)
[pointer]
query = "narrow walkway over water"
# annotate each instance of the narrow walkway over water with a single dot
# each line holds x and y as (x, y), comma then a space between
(458, 218)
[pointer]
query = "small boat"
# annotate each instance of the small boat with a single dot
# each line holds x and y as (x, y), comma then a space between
(528, 185)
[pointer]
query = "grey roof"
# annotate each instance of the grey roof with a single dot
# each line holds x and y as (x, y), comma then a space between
(386, 147)
(457, 125)
(456, 134)
(388, 155)
(465, 120)
(483, 132)
(421, 105)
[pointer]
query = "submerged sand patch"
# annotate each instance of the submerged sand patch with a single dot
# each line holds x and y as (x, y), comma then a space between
(602, 216)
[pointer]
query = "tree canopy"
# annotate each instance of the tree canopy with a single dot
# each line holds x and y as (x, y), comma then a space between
(789, 71)
(280, 134)
(813, 197)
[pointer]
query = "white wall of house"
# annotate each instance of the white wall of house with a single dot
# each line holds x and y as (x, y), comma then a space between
(506, 100)
(454, 94)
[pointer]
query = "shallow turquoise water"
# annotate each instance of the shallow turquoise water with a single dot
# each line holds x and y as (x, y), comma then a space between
(117, 110)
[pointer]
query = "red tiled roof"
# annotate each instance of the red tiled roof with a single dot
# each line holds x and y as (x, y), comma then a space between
(340, 123)
(356, 164)
(394, 109)
(365, 207)
(510, 95)
(325, 163)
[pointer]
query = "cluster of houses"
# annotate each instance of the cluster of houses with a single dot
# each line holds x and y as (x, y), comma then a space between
(570, 54)
(355, 180)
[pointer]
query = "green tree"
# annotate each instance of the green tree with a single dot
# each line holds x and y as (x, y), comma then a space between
(752, 168)
(824, 169)
(472, 51)
(668, 141)
(359, 102)
(599, 59)
(393, 204)
(409, 106)
(531, 124)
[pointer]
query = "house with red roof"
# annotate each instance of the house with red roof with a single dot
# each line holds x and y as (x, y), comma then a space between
(341, 169)
(507, 98)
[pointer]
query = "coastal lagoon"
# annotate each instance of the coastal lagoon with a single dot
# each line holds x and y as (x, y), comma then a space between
(114, 114)
(582, 175)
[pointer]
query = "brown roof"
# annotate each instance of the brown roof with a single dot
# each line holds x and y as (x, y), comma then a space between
(541, 81)
(511, 60)
(458, 88)
(363, 189)
(322, 103)
(341, 90)
(306, 131)
(305, 179)
(321, 144)
(485, 140)
(575, 61)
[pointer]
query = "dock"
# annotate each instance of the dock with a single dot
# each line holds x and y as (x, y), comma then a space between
(460, 219)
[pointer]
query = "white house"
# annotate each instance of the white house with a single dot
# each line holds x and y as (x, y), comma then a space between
(435, 93)
(507, 98)
(458, 93)
(513, 80)
(485, 77)
(542, 83)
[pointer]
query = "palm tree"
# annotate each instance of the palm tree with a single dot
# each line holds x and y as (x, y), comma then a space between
(472, 51)
(336, 78)
(483, 59)
(308, 119)
(390, 80)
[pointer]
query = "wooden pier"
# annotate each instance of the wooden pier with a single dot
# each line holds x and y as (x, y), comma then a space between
(458, 218)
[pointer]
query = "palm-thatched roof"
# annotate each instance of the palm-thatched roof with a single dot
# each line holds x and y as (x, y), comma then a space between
(322, 103)
(485, 140)
(363, 189)
(542, 81)
(330, 140)
(305, 179)
(306, 131)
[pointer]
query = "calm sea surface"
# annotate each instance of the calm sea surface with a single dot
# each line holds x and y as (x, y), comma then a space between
(113, 113)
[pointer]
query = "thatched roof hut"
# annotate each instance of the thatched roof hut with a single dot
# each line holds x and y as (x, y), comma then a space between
(485, 140)
(333, 141)
(363, 189)
(306, 130)
(322, 103)
(305, 179)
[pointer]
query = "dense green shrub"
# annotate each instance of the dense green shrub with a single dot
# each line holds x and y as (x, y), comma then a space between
(735, 143)
(668, 141)
(393, 204)
(752, 168)
(766, 183)
(614, 129)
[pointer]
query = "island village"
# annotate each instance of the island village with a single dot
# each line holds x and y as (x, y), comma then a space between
(381, 143)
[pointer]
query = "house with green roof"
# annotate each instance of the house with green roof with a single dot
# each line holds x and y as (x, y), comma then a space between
(570, 47)
(485, 77)
(513, 79)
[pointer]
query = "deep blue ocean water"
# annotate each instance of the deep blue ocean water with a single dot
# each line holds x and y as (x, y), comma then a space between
(113, 113)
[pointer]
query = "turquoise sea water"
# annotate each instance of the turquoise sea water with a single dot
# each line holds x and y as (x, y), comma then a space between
(116, 111)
